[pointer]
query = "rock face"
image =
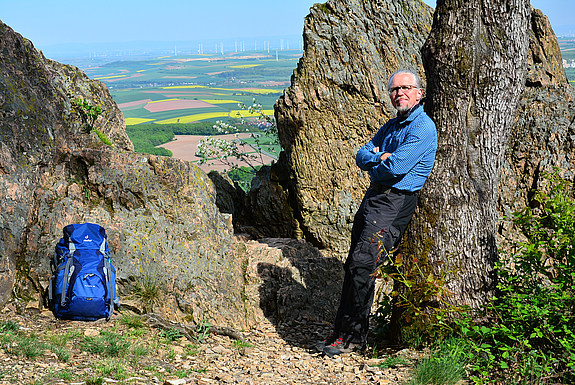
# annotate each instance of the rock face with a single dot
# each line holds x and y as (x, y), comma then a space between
(174, 251)
(338, 100)
(161, 217)
(543, 136)
(332, 108)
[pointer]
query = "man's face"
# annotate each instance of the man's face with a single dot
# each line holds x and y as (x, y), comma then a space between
(404, 93)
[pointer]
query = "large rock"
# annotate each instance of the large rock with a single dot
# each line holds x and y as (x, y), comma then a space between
(332, 108)
(338, 100)
(174, 251)
(163, 224)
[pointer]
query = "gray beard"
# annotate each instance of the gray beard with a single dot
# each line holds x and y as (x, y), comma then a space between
(402, 110)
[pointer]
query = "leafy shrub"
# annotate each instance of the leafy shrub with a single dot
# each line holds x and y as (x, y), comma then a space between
(530, 337)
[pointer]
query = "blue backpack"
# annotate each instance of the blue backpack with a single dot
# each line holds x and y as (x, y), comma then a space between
(83, 282)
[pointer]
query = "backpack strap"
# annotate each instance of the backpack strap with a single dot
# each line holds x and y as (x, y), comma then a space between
(68, 271)
(109, 284)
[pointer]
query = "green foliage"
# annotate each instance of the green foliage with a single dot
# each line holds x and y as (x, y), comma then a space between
(392, 362)
(239, 344)
(202, 331)
(419, 294)
(6, 326)
(94, 380)
(146, 137)
(102, 137)
(132, 321)
(172, 334)
(530, 335)
(88, 113)
(243, 176)
(107, 344)
(445, 365)
(148, 292)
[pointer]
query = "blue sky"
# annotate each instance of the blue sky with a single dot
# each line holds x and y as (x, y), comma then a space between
(104, 21)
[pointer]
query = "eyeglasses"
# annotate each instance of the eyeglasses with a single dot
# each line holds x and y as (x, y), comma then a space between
(404, 89)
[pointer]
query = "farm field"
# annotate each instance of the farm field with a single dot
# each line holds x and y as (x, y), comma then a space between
(194, 88)
(184, 147)
(567, 46)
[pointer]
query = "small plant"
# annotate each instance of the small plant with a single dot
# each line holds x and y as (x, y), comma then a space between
(61, 339)
(94, 380)
(62, 354)
(65, 375)
(111, 368)
(203, 331)
(393, 361)
(171, 334)
(171, 355)
(27, 346)
(446, 364)
(239, 344)
(529, 336)
(6, 326)
(133, 321)
(191, 350)
(420, 297)
(140, 350)
(89, 114)
(107, 344)
(148, 292)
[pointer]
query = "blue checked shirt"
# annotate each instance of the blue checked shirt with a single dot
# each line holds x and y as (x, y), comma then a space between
(412, 141)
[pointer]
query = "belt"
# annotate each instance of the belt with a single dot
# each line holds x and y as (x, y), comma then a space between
(387, 189)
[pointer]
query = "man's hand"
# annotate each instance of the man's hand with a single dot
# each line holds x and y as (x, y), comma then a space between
(385, 155)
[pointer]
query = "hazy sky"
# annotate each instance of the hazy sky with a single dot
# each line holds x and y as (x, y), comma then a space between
(75, 21)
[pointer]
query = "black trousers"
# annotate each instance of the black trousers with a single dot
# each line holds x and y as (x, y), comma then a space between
(382, 217)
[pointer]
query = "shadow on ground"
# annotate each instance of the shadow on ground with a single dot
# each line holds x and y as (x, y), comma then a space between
(300, 299)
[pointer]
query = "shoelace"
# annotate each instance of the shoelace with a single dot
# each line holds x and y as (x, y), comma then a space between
(337, 342)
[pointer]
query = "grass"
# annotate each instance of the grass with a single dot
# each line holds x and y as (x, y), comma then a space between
(393, 361)
(445, 365)
(107, 344)
(122, 350)
(239, 344)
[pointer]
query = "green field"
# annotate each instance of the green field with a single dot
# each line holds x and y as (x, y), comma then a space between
(193, 88)
(567, 46)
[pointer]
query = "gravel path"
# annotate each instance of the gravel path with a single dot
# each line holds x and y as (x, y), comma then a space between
(283, 354)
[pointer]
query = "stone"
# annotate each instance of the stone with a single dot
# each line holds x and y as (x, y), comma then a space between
(336, 102)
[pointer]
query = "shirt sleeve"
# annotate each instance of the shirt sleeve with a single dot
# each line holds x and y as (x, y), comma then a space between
(406, 155)
(366, 158)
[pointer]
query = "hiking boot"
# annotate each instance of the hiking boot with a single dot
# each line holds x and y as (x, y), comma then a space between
(340, 346)
(328, 341)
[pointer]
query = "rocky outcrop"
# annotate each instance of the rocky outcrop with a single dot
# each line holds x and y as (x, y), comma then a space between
(166, 232)
(545, 65)
(543, 136)
(174, 250)
(338, 100)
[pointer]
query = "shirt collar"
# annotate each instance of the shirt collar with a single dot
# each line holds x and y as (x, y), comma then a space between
(408, 115)
(405, 116)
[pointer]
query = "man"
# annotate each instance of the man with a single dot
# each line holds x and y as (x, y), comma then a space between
(399, 159)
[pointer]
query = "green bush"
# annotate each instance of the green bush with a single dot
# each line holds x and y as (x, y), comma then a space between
(530, 335)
